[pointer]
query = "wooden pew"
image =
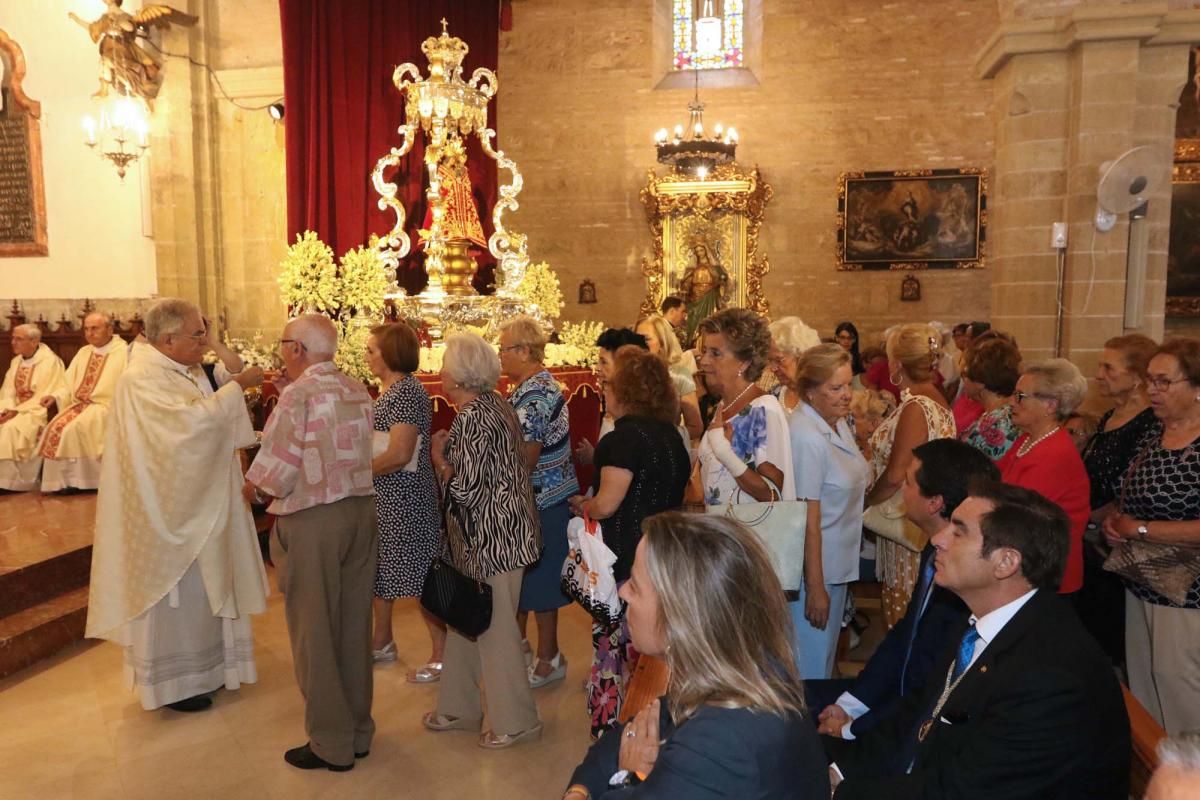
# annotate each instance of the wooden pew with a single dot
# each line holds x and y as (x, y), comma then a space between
(1146, 733)
(648, 682)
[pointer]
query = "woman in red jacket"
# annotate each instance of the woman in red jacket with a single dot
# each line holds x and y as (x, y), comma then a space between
(1044, 458)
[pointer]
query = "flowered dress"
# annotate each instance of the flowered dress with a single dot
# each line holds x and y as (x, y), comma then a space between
(897, 565)
(760, 435)
(993, 433)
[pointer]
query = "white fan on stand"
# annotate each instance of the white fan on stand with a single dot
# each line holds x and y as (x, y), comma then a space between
(1126, 184)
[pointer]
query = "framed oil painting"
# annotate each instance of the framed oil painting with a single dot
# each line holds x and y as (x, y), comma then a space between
(912, 219)
(706, 235)
(1183, 251)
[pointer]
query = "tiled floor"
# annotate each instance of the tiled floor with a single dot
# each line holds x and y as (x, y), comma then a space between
(72, 729)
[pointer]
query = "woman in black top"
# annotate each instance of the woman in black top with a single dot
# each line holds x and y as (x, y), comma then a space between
(733, 724)
(1160, 512)
(1120, 378)
(642, 468)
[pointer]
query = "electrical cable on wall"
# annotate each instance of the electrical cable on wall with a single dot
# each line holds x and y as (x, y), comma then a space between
(215, 78)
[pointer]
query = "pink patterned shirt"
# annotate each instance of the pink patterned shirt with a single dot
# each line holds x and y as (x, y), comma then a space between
(316, 448)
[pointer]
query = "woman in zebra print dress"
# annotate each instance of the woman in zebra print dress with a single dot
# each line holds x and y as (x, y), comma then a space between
(485, 478)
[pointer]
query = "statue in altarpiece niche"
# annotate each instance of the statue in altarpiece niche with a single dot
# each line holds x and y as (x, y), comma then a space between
(125, 65)
(704, 285)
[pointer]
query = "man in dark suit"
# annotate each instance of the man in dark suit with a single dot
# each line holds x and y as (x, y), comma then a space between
(1028, 706)
(937, 480)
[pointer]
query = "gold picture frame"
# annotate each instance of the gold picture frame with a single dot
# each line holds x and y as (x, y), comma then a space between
(707, 227)
(912, 219)
(1183, 261)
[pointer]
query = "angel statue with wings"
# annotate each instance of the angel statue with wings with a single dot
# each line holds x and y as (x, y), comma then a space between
(124, 64)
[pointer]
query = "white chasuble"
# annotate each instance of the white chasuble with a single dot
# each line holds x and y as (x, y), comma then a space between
(27, 381)
(77, 431)
(170, 496)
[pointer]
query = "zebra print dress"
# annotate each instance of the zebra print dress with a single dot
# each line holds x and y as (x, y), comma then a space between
(490, 493)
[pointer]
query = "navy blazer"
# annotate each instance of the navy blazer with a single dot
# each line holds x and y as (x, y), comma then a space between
(719, 753)
(884, 681)
(1039, 715)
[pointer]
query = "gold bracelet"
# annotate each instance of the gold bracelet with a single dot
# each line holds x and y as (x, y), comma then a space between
(578, 790)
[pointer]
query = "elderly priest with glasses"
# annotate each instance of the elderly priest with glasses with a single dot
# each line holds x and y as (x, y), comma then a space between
(176, 569)
(35, 374)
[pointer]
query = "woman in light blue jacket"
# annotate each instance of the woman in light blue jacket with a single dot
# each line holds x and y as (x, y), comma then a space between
(832, 475)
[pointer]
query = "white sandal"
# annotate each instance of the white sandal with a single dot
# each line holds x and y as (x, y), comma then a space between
(559, 671)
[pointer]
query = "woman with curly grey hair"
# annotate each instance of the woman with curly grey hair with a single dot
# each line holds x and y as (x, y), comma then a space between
(1044, 458)
(746, 453)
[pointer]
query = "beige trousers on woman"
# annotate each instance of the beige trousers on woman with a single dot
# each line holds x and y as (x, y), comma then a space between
(496, 660)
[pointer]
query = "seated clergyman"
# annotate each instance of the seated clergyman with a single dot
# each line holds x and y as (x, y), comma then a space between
(74, 439)
(34, 374)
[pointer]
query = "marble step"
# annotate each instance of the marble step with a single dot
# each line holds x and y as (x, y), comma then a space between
(43, 580)
(41, 630)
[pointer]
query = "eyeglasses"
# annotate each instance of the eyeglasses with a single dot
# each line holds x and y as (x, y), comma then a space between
(512, 347)
(1163, 384)
(1022, 395)
(294, 341)
(195, 337)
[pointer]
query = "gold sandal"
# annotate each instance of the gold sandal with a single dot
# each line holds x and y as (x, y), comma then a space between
(492, 741)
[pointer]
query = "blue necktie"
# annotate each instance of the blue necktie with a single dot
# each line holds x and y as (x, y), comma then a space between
(966, 649)
(923, 591)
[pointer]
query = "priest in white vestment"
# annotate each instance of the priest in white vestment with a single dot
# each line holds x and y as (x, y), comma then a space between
(74, 440)
(176, 568)
(34, 374)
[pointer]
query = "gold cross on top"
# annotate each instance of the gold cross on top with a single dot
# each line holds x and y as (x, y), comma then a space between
(444, 24)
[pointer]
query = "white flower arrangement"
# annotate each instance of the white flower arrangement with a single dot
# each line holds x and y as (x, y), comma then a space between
(308, 278)
(567, 355)
(351, 355)
(539, 287)
(431, 358)
(363, 282)
(255, 352)
(581, 338)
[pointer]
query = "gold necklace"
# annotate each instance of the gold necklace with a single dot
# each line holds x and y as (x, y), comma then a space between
(1024, 449)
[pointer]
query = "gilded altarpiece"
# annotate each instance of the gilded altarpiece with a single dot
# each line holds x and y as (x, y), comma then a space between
(22, 192)
(706, 235)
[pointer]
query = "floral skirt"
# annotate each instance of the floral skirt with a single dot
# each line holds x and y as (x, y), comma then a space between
(613, 662)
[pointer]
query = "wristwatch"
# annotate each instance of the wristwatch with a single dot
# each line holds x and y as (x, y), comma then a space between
(1143, 531)
(624, 777)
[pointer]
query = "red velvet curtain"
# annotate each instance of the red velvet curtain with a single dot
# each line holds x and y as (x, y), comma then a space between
(342, 112)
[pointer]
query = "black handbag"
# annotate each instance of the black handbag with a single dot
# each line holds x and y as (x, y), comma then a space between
(463, 603)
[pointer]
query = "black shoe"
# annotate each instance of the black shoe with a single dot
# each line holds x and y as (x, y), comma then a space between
(303, 757)
(198, 703)
(363, 754)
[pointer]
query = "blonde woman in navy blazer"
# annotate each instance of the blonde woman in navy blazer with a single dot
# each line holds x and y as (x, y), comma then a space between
(832, 476)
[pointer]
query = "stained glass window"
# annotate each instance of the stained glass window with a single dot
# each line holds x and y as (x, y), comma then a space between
(708, 34)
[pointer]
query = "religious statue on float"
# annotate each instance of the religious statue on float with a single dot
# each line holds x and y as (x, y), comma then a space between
(460, 226)
(704, 284)
(125, 65)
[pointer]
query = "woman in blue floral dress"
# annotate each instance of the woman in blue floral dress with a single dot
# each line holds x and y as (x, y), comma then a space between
(991, 368)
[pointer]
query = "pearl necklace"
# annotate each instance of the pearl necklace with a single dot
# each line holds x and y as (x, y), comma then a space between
(1024, 449)
(741, 394)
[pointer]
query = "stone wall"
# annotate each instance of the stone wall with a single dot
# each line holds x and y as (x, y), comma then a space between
(842, 85)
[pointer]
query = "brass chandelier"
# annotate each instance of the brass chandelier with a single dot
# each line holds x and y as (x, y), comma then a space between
(690, 150)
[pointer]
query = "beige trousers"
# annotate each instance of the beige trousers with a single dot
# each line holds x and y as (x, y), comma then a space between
(1162, 655)
(325, 564)
(494, 659)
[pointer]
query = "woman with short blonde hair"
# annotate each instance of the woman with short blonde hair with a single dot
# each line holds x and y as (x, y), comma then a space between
(545, 424)
(913, 352)
(704, 598)
(662, 342)
(832, 476)
(1044, 458)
